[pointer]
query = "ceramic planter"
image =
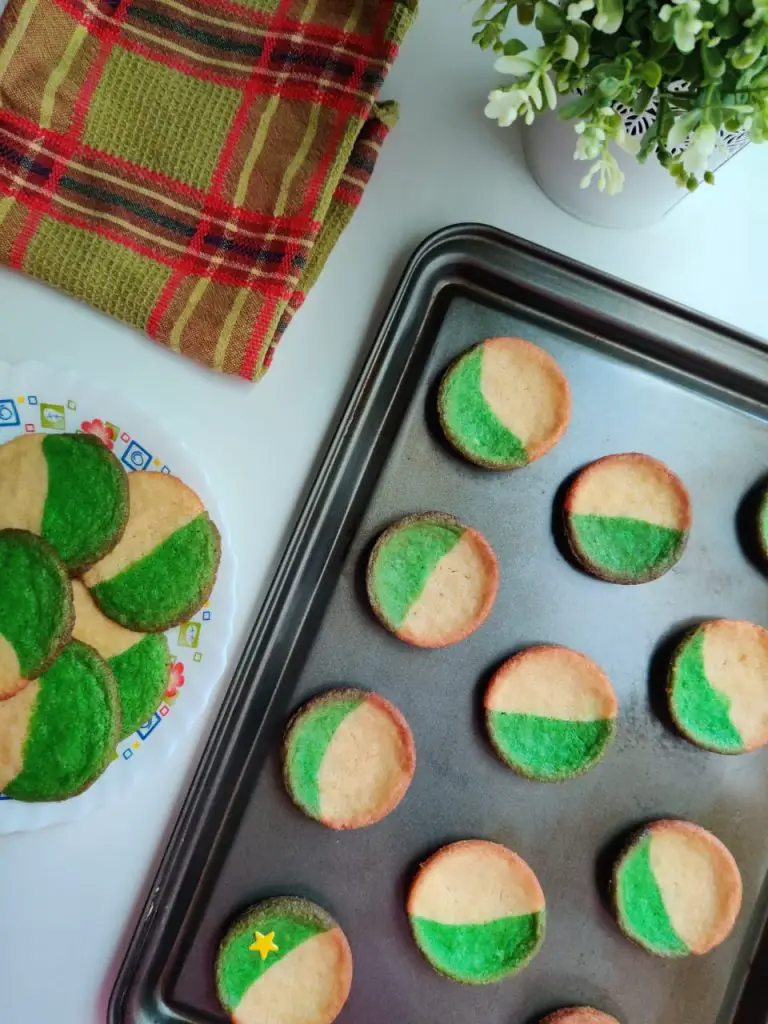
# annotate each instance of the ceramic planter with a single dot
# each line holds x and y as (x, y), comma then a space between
(649, 191)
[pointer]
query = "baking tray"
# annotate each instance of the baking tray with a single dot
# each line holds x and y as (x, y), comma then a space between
(646, 376)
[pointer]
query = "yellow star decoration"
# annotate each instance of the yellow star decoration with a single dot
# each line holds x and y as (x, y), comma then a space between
(264, 944)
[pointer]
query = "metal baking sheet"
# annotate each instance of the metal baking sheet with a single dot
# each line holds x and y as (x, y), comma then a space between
(646, 376)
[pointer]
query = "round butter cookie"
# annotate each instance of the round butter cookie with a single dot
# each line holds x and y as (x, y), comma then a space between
(431, 580)
(579, 1015)
(476, 911)
(627, 518)
(504, 403)
(67, 488)
(718, 686)
(550, 713)
(165, 565)
(676, 889)
(348, 758)
(140, 662)
(35, 608)
(58, 734)
(285, 961)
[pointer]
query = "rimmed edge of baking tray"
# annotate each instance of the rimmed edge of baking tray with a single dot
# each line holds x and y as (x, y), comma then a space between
(729, 361)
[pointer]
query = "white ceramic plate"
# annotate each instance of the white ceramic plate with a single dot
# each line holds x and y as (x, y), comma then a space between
(38, 398)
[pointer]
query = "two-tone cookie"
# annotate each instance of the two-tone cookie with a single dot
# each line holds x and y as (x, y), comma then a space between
(285, 961)
(718, 686)
(348, 758)
(432, 580)
(579, 1015)
(140, 662)
(676, 889)
(762, 524)
(58, 734)
(477, 912)
(35, 608)
(504, 403)
(627, 518)
(550, 713)
(164, 567)
(67, 488)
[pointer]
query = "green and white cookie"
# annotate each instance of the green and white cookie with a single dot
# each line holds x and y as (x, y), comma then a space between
(140, 662)
(165, 565)
(67, 488)
(285, 961)
(550, 713)
(762, 525)
(504, 403)
(58, 734)
(431, 580)
(477, 912)
(718, 686)
(348, 758)
(676, 889)
(35, 608)
(627, 518)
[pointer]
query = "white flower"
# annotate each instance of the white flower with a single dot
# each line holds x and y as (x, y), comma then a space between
(575, 10)
(505, 105)
(697, 156)
(521, 64)
(610, 177)
(686, 25)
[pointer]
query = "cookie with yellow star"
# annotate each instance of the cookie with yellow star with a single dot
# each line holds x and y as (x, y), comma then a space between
(284, 960)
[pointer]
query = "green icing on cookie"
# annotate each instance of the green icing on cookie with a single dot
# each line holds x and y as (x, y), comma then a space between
(468, 417)
(71, 732)
(701, 710)
(35, 599)
(480, 953)
(405, 562)
(307, 744)
(86, 504)
(238, 967)
(550, 749)
(168, 584)
(642, 913)
(141, 674)
(626, 547)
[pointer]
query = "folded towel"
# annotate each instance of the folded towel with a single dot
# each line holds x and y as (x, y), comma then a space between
(187, 165)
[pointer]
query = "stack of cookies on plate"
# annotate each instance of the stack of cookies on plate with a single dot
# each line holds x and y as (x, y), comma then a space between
(94, 565)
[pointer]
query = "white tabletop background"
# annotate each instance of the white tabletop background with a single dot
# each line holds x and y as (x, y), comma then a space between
(69, 896)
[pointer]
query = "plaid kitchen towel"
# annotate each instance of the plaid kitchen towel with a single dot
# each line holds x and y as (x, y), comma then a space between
(187, 165)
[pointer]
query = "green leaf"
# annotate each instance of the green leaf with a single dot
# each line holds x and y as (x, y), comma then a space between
(651, 73)
(525, 13)
(728, 26)
(642, 99)
(577, 107)
(609, 16)
(662, 31)
(549, 18)
(514, 46)
(672, 63)
(711, 61)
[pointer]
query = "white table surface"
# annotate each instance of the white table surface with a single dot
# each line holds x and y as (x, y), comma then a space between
(69, 895)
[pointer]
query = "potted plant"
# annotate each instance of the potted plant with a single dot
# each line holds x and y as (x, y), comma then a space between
(656, 91)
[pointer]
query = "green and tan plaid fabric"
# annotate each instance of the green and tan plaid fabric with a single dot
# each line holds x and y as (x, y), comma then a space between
(187, 165)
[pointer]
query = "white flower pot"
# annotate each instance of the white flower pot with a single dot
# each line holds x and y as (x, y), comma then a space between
(649, 192)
